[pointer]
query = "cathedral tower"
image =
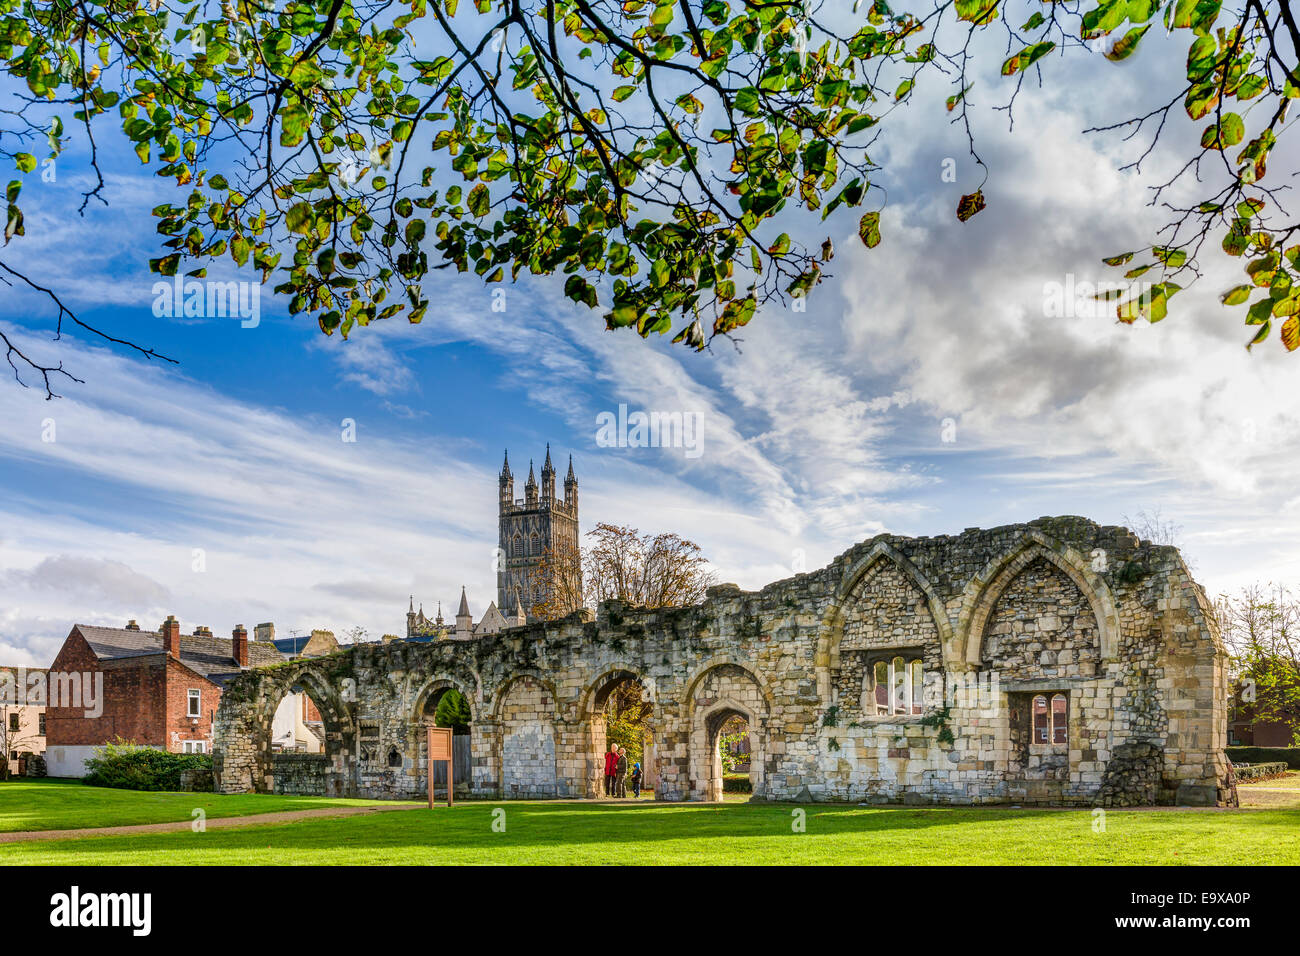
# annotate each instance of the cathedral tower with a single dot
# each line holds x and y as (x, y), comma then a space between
(531, 527)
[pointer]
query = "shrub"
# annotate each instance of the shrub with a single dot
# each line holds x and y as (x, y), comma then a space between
(36, 766)
(1290, 755)
(127, 766)
(736, 783)
(1261, 771)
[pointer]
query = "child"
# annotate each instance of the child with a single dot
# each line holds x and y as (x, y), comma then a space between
(636, 779)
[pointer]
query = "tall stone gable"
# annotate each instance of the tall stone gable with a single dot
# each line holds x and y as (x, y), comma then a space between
(530, 527)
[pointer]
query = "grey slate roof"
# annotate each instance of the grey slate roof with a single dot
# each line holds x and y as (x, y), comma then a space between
(213, 657)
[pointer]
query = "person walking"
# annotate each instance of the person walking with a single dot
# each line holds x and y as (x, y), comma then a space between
(636, 780)
(622, 772)
(611, 770)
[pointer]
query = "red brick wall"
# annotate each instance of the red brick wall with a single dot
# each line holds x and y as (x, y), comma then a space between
(180, 681)
(309, 711)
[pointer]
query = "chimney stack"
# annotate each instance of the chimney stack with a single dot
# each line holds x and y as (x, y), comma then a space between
(264, 633)
(239, 645)
(171, 635)
(132, 626)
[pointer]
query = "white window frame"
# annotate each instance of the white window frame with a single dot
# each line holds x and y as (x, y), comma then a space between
(194, 747)
(904, 698)
(194, 703)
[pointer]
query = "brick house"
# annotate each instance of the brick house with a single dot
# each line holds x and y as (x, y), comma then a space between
(1246, 729)
(156, 688)
(22, 716)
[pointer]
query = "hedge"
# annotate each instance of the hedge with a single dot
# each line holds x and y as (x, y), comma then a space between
(126, 766)
(1261, 771)
(736, 783)
(1288, 755)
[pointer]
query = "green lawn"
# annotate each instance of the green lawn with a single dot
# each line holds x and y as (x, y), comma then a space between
(27, 804)
(694, 834)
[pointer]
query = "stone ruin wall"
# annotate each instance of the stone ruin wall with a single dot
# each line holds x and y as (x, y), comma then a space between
(1060, 605)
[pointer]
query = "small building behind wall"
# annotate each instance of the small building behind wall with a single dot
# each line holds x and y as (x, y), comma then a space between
(1057, 662)
(23, 694)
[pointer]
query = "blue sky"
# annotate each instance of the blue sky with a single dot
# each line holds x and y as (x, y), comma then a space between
(820, 429)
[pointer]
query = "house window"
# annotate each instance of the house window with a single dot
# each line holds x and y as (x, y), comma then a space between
(40, 724)
(13, 721)
(193, 705)
(1051, 719)
(899, 684)
(194, 747)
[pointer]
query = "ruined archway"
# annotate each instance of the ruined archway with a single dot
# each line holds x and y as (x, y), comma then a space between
(721, 692)
(617, 708)
(444, 703)
(302, 739)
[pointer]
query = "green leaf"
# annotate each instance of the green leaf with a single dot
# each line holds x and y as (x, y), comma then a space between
(1229, 131)
(869, 229)
(1236, 295)
(25, 162)
(299, 218)
(480, 200)
(978, 12)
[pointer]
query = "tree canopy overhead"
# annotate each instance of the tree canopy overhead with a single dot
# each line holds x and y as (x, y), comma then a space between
(652, 151)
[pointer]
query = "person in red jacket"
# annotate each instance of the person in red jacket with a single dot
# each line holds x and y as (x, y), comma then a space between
(611, 771)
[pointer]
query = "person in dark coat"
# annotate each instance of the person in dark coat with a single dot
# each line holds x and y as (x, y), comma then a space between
(636, 779)
(611, 770)
(622, 772)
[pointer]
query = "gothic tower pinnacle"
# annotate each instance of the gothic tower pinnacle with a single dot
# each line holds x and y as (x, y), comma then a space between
(548, 477)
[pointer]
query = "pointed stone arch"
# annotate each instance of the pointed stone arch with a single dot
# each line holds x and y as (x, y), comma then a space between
(749, 696)
(529, 738)
(688, 698)
(832, 628)
(467, 683)
(591, 719)
(983, 590)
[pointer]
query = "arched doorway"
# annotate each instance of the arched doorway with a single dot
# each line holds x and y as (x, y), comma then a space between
(728, 729)
(305, 746)
(297, 725)
(447, 706)
(726, 696)
(619, 712)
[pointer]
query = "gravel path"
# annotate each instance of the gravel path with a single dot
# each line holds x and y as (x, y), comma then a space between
(284, 816)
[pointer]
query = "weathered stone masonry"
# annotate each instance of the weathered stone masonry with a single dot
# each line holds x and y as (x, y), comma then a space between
(1060, 606)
